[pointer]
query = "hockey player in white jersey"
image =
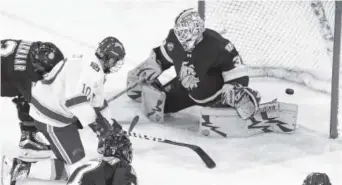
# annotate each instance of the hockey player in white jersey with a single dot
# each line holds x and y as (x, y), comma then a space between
(74, 89)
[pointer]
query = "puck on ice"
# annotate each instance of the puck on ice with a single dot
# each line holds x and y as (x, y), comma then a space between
(205, 132)
(289, 91)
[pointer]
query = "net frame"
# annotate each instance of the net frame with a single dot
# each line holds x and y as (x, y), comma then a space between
(303, 77)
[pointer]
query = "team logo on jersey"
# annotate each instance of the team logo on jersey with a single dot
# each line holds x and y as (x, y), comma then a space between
(237, 60)
(95, 66)
(187, 76)
(230, 47)
(170, 46)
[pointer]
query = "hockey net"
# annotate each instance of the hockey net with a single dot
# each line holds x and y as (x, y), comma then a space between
(290, 40)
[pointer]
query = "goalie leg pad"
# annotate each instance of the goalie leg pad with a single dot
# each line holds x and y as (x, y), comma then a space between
(153, 102)
(276, 116)
(273, 117)
(135, 93)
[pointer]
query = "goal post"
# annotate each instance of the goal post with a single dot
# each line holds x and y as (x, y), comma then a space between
(296, 41)
(335, 73)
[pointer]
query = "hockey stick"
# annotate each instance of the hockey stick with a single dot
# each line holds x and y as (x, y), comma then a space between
(199, 151)
(133, 123)
(133, 85)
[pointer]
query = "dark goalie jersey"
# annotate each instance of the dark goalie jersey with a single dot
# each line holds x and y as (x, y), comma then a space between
(203, 71)
(17, 73)
(104, 172)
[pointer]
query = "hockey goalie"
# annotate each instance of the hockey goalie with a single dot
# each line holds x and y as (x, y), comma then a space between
(210, 73)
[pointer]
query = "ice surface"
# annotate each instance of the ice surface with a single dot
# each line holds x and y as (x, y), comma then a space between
(76, 27)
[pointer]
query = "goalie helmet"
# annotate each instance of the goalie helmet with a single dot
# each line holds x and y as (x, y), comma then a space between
(317, 179)
(119, 146)
(189, 28)
(44, 56)
(111, 52)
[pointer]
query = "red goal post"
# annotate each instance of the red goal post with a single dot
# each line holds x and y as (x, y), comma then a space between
(297, 41)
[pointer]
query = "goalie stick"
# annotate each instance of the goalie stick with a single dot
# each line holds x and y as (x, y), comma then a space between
(133, 85)
(209, 162)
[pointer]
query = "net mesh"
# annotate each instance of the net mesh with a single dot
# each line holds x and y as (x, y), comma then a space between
(291, 40)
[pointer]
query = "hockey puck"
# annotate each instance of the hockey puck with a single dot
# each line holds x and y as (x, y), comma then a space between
(289, 91)
(205, 132)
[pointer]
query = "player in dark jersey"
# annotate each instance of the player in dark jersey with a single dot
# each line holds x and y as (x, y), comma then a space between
(209, 70)
(23, 63)
(114, 168)
(317, 178)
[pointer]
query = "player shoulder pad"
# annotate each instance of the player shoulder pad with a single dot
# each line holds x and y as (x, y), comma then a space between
(171, 37)
(92, 71)
(214, 35)
(5, 40)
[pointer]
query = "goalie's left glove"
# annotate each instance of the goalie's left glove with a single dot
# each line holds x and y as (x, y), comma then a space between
(244, 99)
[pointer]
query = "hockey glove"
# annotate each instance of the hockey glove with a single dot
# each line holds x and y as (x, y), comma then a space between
(244, 99)
(118, 145)
(102, 128)
(23, 108)
(149, 69)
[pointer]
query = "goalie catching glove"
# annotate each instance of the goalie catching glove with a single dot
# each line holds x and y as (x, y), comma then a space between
(244, 99)
(149, 70)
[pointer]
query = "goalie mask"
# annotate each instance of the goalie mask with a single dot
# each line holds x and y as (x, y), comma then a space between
(189, 28)
(111, 52)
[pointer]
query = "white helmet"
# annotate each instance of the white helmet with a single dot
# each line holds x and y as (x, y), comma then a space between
(189, 28)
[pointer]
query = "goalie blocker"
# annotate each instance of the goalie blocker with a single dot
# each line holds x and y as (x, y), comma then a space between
(272, 116)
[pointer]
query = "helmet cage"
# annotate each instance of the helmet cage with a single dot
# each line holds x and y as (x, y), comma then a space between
(189, 28)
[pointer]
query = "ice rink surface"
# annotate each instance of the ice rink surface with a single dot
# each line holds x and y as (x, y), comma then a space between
(77, 26)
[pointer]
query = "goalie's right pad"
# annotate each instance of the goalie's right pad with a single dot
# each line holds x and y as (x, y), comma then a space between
(149, 70)
(278, 117)
(153, 102)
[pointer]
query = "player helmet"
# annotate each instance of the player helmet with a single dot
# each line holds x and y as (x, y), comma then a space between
(317, 179)
(118, 145)
(189, 28)
(111, 52)
(44, 56)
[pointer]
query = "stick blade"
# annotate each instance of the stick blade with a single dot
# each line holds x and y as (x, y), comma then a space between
(209, 162)
(133, 123)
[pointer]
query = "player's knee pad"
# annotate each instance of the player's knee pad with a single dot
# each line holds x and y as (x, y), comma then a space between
(153, 102)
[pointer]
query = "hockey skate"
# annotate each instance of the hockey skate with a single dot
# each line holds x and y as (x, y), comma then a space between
(32, 147)
(13, 170)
